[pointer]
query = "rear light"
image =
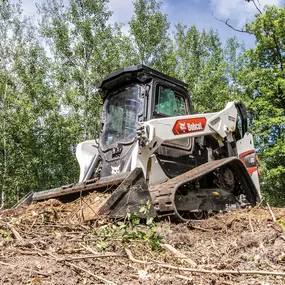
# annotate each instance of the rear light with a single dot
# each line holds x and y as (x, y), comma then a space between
(250, 160)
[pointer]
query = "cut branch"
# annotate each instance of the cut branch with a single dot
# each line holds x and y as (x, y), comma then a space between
(178, 254)
(24, 269)
(271, 213)
(131, 258)
(91, 274)
(237, 272)
(15, 232)
(190, 280)
(90, 256)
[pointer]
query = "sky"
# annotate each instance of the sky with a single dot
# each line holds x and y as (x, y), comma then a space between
(191, 12)
(201, 13)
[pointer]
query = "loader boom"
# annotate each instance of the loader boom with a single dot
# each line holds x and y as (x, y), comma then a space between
(155, 132)
(222, 123)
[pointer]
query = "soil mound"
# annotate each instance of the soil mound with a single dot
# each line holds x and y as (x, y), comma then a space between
(46, 243)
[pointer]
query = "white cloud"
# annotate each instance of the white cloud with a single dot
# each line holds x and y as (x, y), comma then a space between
(239, 11)
(122, 10)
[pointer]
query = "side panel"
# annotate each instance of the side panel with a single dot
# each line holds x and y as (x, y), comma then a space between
(156, 174)
(85, 152)
(247, 155)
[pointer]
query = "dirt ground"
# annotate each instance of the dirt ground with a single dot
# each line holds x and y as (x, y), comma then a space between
(46, 243)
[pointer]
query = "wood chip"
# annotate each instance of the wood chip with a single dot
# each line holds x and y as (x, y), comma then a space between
(178, 254)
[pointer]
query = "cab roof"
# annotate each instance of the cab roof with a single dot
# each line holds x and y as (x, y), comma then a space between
(140, 73)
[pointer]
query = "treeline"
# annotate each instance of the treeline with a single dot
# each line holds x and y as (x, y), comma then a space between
(49, 73)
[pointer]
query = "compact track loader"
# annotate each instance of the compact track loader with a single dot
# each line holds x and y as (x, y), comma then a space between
(153, 151)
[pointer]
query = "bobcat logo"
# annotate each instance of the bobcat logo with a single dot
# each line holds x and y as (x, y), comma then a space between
(183, 127)
(115, 169)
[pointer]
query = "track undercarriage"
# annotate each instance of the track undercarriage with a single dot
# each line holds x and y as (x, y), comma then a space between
(213, 187)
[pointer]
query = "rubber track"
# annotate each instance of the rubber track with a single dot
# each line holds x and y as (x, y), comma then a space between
(163, 195)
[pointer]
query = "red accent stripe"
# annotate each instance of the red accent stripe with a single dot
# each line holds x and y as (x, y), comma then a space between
(244, 154)
(249, 169)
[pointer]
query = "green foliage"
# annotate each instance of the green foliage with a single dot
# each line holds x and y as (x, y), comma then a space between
(79, 37)
(5, 235)
(131, 229)
(203, 64)
(149, 30)
(262, 80)
(146, 208)
(282, 224)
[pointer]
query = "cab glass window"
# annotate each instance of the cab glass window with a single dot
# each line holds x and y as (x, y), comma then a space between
(238, 130)
(169, 103)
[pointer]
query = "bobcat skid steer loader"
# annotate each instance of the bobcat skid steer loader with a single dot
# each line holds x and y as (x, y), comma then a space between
(153, 149)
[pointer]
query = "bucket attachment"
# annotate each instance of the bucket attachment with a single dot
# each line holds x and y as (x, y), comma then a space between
(130, 196)
(125, 192)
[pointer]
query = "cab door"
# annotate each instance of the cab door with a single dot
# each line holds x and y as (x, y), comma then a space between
(175, 157)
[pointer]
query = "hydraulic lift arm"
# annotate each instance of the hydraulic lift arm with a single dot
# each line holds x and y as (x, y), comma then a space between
(154, 132)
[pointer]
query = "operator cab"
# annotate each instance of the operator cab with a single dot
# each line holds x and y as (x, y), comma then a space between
(132, 95)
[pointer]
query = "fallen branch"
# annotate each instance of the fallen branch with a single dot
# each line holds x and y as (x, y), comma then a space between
(15, 232)
(28, 252)
(89, 249)
(178, 254)
(202, 229)
(250, 224)
(238, 272)
(130, 256)
(90, 273)
(90, 256)
(190, 280)
(24, 269)
(271, 213)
